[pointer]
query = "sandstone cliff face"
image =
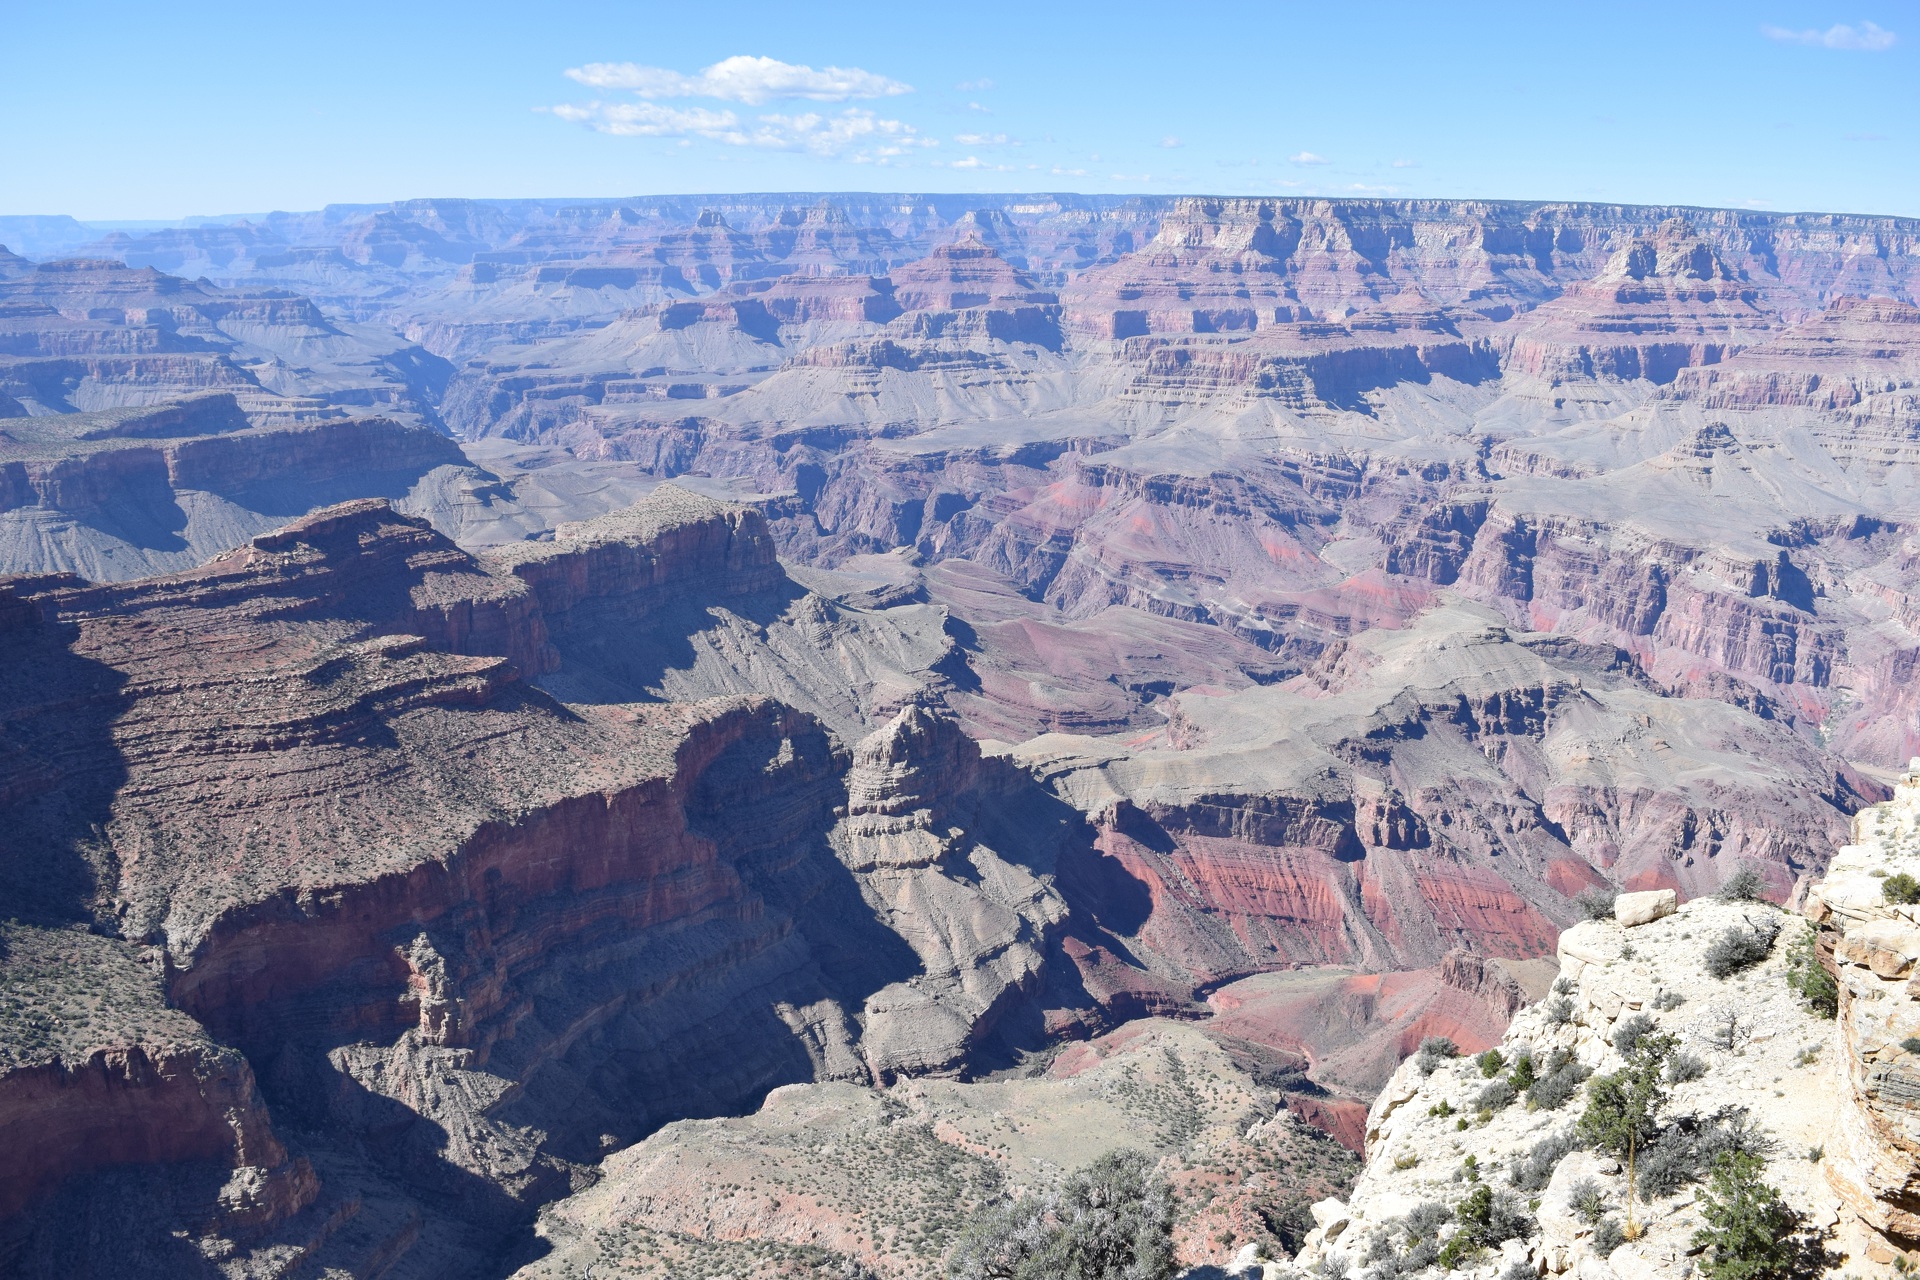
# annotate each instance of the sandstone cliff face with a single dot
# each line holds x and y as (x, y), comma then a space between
(1873, 944)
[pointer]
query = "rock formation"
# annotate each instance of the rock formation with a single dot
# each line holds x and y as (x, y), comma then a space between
(1751, 1065)
(859, 646)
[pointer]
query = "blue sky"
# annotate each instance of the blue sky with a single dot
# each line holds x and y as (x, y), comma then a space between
(132, 111)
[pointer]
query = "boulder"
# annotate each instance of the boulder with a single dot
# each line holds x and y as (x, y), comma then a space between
(1632, 909)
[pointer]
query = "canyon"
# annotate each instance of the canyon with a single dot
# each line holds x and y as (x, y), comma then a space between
(542, 734)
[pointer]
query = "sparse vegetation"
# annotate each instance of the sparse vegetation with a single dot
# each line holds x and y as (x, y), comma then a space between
(1726, 1030)
(1668, 1001)
(1491, 1063)
(1809, 978)
(1900, 890)
(1588, 1201)
(1435, 1050)
(1683, 1066)
(1749, 1232)
(1744, 885)
(1597, 904)
(1486, 1218)
(1111, 1221)
(1559, 1011)
(1494, 1097)
(1687, 1149)
(1628, 1031)
(1557, 1085)
(1534, 1170)
(1741, 947)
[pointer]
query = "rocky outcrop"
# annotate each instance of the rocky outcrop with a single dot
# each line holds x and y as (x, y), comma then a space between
(1870, 938)
(1825, 1099)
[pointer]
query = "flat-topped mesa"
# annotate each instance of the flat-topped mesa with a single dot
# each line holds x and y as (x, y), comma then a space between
(1869, 918)
(671, 546)
(1664, 302)
(795, 299)
(1858, 356)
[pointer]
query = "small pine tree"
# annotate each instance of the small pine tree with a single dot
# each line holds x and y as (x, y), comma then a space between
(1901, 888)
(1749, 1233)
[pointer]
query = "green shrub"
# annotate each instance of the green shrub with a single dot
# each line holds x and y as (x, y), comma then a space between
(1491, 1063)
(1558, 1083)
(1628, 1032)
(1900, 889)
(1744, 885)
(1749, 1233)
(1809, 979)
(1741, 947)
(1494, 1097)
(1534, 1170)
(1597, 904)
(1112, 1220)
(1433, 1051)
(1588, 1201)
(1486, 1218)
(1682, 1067)
(1522, 1076)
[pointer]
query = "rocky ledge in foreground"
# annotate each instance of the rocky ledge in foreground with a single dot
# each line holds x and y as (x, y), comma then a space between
(1752, 1072)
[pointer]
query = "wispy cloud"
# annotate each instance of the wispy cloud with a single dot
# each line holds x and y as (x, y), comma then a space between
(1868, 37)
(981, 139)
(1170, 141)
(1406, 164)
(973, 162)
(1058, 172)
(974, 106)
(854, 134)
(741, 79)
(1308, 157)
(974, 86)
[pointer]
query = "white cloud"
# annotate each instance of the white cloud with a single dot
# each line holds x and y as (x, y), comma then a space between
(741, 79)
(974, 106)
(1067, 173)
(854, 134)
(1169, 141)
(645, 120)
(974, 86)
(1308, 157)
(1406, 164)
(981, 139)
(1868, 37)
